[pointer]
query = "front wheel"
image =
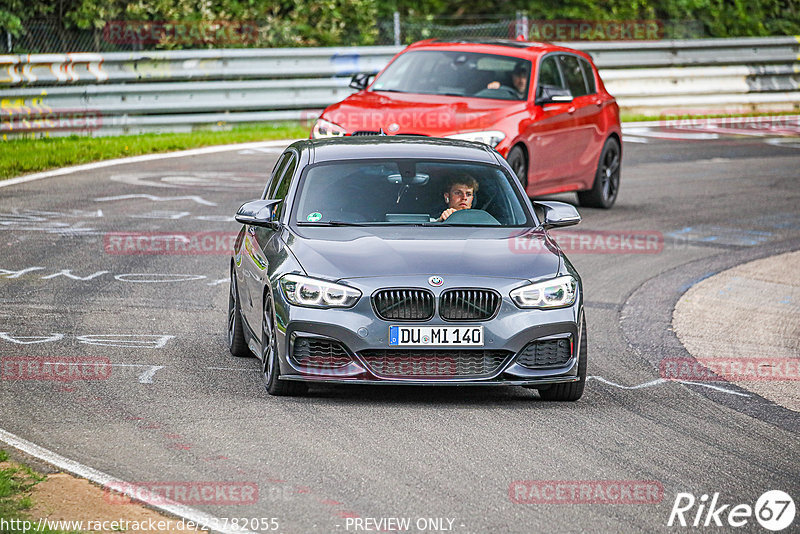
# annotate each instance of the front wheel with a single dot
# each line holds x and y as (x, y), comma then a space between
(604, 191)
(236, 342)
(271, 369)
(570, 391)
(519, 164)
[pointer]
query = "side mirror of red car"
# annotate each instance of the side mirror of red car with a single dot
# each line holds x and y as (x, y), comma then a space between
(361, 80)
(553, 95)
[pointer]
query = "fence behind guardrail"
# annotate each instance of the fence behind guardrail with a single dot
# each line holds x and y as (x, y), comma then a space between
(130, 92)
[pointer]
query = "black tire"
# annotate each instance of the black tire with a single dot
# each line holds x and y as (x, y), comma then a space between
(236, 342)
(519, 163)
(270, 369)
(570, 391)
(604, 191)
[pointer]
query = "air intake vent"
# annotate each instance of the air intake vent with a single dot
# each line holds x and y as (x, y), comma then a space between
(320, 353)
(546, 354)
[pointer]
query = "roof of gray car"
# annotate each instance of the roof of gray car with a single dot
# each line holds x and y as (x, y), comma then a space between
(391, 147)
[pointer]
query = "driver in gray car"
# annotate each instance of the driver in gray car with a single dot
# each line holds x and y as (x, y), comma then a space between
(459, 195)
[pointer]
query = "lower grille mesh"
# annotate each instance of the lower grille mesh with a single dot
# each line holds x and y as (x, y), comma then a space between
(544, 354)
(321, 353)
(434, 363)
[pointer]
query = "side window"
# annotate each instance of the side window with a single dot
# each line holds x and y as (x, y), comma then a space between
(588, 73)
(276, 172)
(284, 181)
(548, 73)
(573, 74)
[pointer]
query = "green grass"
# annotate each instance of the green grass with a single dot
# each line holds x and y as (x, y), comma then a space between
(16, 483)
(24, 156)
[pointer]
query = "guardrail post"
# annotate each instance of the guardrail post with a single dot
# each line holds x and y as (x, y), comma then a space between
(396, 28)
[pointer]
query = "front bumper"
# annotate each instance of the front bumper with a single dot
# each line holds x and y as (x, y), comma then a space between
(359, 329)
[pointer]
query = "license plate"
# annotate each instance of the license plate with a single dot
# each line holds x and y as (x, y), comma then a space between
(436, 336)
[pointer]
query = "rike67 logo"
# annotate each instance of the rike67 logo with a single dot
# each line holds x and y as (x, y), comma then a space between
(774, 511)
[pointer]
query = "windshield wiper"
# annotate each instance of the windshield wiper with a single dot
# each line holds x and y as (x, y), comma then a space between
(388, 91)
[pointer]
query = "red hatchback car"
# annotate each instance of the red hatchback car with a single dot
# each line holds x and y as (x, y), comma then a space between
(542, 106)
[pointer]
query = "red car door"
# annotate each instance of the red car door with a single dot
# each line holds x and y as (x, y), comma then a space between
(551, 132)
(587, 136)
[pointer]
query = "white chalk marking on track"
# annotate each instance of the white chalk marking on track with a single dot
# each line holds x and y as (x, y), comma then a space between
(620, 386)
(248, 151)
(140, 159)
(715, 388)
(154, 198)
(111, 483)
(634, 139)
(147, 376)
(662, 381)
(29, 340)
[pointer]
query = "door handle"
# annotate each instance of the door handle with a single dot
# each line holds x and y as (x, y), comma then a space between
(571, 109)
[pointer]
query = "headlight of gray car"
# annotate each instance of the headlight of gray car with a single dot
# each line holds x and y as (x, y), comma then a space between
(313, 293)
(556, 293)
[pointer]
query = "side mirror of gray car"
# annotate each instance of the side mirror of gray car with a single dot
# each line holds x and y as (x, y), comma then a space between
(258, 213)
(558, 214)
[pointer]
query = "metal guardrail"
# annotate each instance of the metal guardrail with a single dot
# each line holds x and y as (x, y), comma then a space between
(133, 92)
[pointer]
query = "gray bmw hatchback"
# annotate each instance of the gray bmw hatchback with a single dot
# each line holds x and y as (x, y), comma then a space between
(405, 260)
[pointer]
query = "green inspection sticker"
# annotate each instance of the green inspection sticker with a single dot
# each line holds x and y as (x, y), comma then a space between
(314, 217)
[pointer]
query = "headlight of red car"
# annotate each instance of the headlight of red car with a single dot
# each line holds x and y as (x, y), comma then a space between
(491, 138)
(323, 128)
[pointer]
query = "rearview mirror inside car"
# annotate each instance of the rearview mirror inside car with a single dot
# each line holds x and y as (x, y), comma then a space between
(417, 179)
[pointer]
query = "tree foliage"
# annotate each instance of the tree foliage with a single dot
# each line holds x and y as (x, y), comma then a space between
(359, 22)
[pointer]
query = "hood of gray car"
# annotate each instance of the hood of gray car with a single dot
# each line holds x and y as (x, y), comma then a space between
(337, 253)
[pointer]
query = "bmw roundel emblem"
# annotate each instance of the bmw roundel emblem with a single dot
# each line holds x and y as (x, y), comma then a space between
(435, 281)
(393, 127)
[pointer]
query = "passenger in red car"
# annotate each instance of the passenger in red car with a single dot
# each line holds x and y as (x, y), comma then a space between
(459, 195)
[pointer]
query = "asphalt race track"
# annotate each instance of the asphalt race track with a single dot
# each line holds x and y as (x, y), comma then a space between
(177, 407)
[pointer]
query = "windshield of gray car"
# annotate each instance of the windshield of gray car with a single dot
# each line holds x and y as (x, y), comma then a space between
(406, 192)
(453, 73)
